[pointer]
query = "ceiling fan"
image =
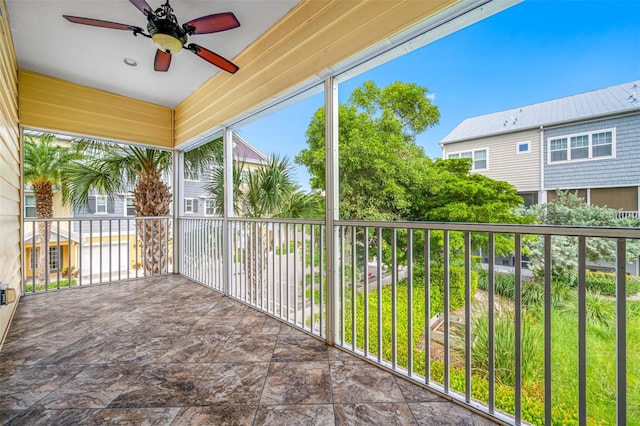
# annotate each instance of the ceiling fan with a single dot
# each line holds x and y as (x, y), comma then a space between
(169, 36)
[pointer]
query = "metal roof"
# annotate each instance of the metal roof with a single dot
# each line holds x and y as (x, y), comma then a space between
(611, 100)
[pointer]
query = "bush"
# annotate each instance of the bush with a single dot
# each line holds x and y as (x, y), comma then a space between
(504, 345)
(605, 283)
(456, 286)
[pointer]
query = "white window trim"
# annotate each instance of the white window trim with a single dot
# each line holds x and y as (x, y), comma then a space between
(126, 205)
(27, 206)
(590, 133)
(473, 159)
(522, 143)
(185, 206)
(205, 207)
(106, 208)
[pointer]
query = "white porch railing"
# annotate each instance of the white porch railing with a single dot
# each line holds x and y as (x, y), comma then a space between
(85, 251)
(624, 214)
(541, 350)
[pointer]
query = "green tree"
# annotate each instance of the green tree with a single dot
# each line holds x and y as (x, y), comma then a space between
(111, 168)
(384, 175)
(45, 162)
(268, 191)
(569, 209)
(379, 161)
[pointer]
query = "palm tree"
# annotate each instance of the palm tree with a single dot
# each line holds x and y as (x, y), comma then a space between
(45, 162)
(114, 168)
(268, 192)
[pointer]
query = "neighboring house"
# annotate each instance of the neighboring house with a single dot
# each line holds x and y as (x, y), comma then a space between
(63, 248)
(586, 143)
(196, 201)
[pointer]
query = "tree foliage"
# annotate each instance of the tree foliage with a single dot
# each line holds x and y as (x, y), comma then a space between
(384, 175)
(379, 160)
(267, 190)
(569, 209)
(45, 162)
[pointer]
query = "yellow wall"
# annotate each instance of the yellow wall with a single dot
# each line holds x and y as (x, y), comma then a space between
(51, 104)
(10, 193)
(332, 31)
(64, 246)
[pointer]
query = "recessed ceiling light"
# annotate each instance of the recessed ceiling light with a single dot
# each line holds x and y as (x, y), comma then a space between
(129, 61)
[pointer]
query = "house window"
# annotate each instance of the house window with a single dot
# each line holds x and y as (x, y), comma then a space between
(582, 146)
(558, 148)
(579, 147)
(54, 258)
(479, 156)
(602, 144)
(188, 205)
(30, 206)
(101, 204)
(209, 207)
(129, 209)
(523, 147)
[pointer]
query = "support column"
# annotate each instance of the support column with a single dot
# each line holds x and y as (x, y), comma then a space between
(227, 139)
(178, 190)
(331, 206)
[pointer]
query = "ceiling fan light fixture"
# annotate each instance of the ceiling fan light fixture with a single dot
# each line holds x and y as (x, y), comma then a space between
(167, 43)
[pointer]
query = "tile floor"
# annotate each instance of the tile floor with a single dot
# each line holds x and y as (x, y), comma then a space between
(169, 351)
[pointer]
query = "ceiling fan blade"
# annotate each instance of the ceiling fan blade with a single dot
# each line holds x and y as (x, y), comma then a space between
(162, 61)
(212, 23)
(143, 6)
(100, 23)
(213, 58)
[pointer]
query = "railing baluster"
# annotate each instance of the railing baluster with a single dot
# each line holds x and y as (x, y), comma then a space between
(518, 328)
(582, 331)
(548, 418)
(446, 304)
(295, 274)
(365, 290)
(322, 282)
(312, 262)
(394, 298)
(467, 316)
(410, 302)
(354, 290)
(492, 309)
(427, 305)
(379, 289)
(621, 332)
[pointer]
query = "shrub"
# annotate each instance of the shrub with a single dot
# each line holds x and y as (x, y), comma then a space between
(504, 345)
(605, 283)
(456, 286)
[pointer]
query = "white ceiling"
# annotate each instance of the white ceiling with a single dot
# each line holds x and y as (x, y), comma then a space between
(47, 43)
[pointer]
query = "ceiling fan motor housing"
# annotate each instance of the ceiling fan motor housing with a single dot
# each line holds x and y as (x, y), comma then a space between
(167, 35)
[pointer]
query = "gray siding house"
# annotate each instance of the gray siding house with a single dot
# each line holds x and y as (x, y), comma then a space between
(196, 201)
(588, 143)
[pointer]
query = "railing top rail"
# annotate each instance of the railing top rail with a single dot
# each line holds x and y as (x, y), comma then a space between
(261, 220)
(573, 231)
(86, 218)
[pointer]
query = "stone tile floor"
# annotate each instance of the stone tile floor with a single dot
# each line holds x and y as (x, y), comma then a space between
(169, 351)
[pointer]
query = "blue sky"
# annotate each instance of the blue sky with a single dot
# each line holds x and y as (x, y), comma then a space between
(535, 51)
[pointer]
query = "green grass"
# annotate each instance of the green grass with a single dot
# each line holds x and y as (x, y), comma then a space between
(600, 351)
(52, 285)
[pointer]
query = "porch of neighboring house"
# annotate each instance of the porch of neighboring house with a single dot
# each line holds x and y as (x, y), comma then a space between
(166, 350)
(63, 252)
